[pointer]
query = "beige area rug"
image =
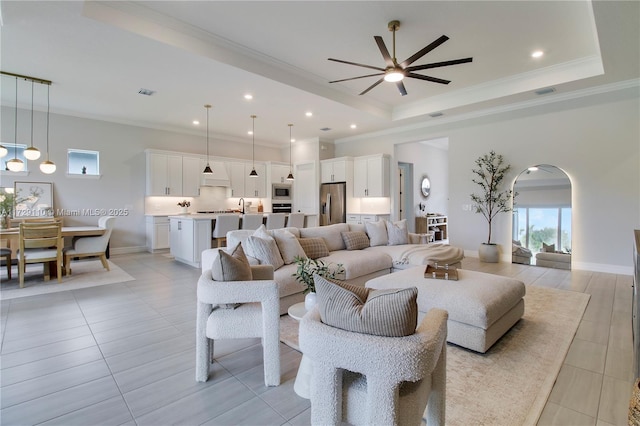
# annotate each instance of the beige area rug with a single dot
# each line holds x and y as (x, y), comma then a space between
(88, 273)
(509, 385)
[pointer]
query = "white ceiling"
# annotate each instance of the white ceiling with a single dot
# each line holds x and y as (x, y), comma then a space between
(99, 54)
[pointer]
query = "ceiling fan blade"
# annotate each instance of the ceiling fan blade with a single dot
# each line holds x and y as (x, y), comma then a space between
(384, 51)
(356, 64)
(373, 85)
(439, 64)
(420, 53)
(401, 88)
(427, 78)
(355, 78)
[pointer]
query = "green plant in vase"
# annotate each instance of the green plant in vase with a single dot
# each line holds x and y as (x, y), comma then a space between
(306, 269)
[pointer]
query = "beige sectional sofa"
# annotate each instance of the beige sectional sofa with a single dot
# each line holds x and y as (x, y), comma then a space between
(359, 265)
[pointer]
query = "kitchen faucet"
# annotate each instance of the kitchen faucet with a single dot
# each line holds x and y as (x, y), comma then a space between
(241, 203)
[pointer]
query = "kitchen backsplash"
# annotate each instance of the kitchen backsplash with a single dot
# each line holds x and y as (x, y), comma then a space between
(210, 199)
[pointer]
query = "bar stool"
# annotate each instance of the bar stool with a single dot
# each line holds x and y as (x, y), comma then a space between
(275, 220)
(224, 224)
(252, 221)
(295, 220)
(6, 253)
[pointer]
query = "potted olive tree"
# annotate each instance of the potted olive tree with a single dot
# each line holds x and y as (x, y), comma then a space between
(492, 200)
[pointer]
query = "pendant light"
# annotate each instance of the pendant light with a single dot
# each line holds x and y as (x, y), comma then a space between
(32, 153)
(207, 169)
(15, 165)
(253, 173)
(290, 177)
(47, 166)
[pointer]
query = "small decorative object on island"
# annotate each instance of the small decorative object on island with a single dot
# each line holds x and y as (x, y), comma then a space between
(184, 204)
(491, 201)
(304, 274)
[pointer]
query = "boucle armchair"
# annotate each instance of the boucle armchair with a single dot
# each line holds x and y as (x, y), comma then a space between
(258, 315)
(367, 379)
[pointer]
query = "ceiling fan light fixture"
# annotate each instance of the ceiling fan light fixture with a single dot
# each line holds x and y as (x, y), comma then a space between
(393, 76)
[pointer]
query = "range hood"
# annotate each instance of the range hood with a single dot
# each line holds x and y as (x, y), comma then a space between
(220, 177)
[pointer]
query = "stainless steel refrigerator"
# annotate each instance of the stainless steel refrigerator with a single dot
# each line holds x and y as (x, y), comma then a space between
(333, 203)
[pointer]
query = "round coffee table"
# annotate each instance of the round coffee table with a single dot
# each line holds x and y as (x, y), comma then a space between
(303, 378)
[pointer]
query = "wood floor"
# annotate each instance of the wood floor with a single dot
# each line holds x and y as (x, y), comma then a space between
(123, 354)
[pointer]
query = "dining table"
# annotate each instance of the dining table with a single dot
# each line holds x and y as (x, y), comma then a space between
(11, 235)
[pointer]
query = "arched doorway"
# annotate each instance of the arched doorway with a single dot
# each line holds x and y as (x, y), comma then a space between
(542, 214)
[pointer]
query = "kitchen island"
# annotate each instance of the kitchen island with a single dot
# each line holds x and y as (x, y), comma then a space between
(191, 234)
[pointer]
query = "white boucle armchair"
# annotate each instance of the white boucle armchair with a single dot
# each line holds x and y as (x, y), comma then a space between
(257, 316)
(373, 380)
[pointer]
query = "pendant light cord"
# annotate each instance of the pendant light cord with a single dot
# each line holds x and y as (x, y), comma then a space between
(48, 122)
(15, 126)
(290, 164)
(207, 107)
(253, 141)
(31, 113)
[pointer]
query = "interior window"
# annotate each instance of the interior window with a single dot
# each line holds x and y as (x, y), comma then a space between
(15, 151)
(83, 162)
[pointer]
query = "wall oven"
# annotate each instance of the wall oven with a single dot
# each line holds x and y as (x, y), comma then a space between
(280, 191)
(281, 207)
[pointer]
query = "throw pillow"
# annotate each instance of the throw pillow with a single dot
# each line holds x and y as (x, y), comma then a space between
(391, 313)
(397, 232)
(314, 247)
(289, 246)
(263, 247)
(355, 240)
(551, 248)
(377, 233)
(232, 266)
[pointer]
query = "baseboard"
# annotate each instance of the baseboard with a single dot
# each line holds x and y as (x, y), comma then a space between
(126, 250)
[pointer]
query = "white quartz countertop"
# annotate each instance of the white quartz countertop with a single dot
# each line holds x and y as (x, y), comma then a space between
(211, 216)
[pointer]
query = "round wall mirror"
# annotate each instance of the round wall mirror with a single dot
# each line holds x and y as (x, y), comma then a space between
(425, 187)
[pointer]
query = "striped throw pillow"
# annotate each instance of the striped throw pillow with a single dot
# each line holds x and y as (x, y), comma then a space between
(391, 313)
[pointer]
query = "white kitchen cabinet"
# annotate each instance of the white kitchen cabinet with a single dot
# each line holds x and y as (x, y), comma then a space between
(279, 173)
(192, 168)
(164, 174)
(336, 170)
(255, 187)
(188, 238)
(237, 178)
(157, 230)
(360, 219)
(371, 176)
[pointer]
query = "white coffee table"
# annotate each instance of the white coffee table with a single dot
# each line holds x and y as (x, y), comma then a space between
(303, 378)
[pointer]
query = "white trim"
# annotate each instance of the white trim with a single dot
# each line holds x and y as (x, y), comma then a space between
(81, 176)
(127, 250)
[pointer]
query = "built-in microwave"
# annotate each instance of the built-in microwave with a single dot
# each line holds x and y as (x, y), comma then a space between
(280, 191)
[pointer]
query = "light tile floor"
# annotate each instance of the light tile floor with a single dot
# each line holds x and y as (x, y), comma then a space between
(123, 354)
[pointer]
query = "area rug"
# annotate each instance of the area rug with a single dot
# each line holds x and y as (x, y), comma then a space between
(88, 273)
(509, 385)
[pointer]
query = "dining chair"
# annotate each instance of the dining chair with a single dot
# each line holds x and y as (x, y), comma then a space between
(252, 221)
(40, 242)
(275, 220)
(6, 253)
(295, 220)
(224, 224)
(91, 246)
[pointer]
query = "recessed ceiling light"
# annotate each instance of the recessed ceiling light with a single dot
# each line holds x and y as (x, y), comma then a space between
(353, 126)
(293, 139)
(249, 132)
(308, 113)
(248, 96)
(196, 122)
(537, 54)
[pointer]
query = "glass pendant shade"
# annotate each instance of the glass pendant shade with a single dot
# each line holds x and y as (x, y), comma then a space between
(47, 167)
(15, 165)
(3, 151)
(32, 153)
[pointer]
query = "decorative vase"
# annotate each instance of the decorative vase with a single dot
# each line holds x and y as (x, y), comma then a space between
(310, 300)
(488, 253)
(184, 210)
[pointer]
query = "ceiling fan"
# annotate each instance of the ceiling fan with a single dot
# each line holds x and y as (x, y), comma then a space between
(395, 72)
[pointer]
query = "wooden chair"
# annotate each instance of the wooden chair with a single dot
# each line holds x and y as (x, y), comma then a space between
(40, 242)
(6, 253)
(91, 246)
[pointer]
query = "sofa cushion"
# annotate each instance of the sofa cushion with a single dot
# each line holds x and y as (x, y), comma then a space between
(263, 247)
(356, 264)
(397, 232)
(391, 313)
(314, 247)
(377, 232)
(330, 233)
(289, 246)
(232, 266)
(355, 240)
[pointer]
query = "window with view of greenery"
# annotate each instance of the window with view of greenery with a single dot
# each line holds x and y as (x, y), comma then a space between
(15, 151)
(83, 162)
(533, 226)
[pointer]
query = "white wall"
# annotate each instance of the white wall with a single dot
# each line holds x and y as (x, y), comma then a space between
(122, 165)
(595, 139)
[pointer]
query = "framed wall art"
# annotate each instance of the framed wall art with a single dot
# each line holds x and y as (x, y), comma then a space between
(33, 199)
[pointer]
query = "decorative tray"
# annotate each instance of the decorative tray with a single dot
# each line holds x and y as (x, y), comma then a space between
(441, 273)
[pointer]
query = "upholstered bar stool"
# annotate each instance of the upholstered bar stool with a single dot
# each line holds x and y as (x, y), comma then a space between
(224, 224)
(295, 220)
(275, 220)
(252, 221)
